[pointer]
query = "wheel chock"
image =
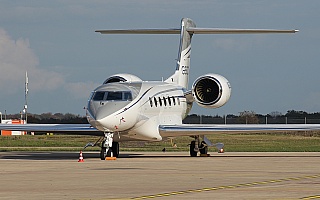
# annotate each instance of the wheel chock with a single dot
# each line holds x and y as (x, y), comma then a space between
(111, 158)
(205, 155)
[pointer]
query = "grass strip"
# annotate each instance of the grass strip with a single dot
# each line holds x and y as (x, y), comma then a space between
(279, 142)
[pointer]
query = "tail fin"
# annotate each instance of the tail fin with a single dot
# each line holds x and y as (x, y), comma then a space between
(181, 75)
(188, 28)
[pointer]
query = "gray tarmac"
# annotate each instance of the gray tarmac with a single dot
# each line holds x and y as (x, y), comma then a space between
(158, 175)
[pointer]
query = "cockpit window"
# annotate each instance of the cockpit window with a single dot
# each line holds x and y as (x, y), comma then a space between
(112, 96)
(116, 96)
(98, 96)
(127, 96)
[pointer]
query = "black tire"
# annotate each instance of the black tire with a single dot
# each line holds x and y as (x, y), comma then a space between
(115, 149)
(102, 153)
(203, 148)
(193, 153)
(109, 153)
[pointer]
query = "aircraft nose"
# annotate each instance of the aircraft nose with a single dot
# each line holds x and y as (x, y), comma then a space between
(102, 122)
(110, 116)
(117, 121)
(99, 110)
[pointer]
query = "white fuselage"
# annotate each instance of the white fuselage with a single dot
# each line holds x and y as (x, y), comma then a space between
(135, 110)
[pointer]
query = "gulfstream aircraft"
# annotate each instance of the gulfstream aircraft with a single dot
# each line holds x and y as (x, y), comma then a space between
(127, 108)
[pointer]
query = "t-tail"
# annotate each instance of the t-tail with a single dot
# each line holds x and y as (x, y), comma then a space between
(186, 31)
(181, 75)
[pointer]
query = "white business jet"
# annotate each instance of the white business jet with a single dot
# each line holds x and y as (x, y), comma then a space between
(126, 108)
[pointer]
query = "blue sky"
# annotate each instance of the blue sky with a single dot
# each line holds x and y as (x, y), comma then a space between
(65, 59)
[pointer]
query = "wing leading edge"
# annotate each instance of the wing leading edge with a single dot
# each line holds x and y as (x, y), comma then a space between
(201, 129)
(79, 129)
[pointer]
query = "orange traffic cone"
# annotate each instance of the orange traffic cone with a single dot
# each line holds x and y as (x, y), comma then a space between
(80, 157)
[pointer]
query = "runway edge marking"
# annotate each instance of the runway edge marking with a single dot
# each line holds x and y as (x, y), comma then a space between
(232, 187)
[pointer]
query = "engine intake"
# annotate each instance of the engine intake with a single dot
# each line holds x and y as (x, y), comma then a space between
(211, 90)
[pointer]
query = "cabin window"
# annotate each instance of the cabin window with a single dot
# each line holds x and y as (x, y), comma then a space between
(164, 101)
(150, 101)
(169, 101)
(174, 100)
(155, 101)
(160, 102)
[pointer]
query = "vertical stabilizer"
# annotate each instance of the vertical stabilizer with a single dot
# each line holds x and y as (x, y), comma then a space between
(181, 75)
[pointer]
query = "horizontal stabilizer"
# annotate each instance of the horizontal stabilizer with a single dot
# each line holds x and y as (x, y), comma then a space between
(193, 30)
(235, 31)
(140, 31)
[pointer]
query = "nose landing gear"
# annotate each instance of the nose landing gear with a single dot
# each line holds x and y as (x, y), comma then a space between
(108, 147)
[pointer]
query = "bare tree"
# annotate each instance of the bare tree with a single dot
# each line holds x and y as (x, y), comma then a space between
(275, 114)
(248, 117)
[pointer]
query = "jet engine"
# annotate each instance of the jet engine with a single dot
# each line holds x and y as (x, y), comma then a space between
(122, 78)
(211, 91)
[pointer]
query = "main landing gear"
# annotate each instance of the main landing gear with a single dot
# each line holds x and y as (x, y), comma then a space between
(108, 147)
(196, 147)
(202, 147)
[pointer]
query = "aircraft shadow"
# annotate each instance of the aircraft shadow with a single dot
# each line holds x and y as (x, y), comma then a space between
(95, 155)
(44, 155)
(74, 155)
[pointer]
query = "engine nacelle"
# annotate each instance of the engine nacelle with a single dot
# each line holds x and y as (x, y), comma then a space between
(122, 78)
(211, 90)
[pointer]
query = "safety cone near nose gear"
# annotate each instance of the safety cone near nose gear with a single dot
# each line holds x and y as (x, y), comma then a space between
(80, 157)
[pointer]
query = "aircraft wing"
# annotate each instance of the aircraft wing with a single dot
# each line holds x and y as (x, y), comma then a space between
(79, 129)
(206, 129)
(167, 130)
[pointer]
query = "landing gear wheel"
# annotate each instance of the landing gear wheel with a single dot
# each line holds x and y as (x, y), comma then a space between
(115, 149)
(203, 148)
(102, 153)
(112, 151)
(193, 153)
(109, 153)
(107, 149)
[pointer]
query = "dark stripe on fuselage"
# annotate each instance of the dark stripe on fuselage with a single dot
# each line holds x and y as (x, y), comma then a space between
(125, 109)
